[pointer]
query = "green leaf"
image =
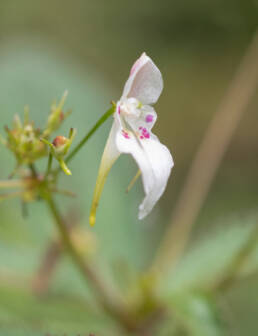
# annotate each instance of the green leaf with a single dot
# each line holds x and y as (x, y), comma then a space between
(208, 258)
(22, 313)
(197, 314)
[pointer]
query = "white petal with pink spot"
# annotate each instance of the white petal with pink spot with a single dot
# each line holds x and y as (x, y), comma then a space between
(131, 134)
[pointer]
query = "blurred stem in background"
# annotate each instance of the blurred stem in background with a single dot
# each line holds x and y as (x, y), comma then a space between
(49, 164)
(108, 300)
(208, 159)
(10, 195)
(12, 184)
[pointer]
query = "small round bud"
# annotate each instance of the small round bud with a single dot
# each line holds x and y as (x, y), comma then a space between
(59, 141)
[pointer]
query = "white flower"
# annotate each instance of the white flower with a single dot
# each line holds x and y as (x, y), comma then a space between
(131, 134)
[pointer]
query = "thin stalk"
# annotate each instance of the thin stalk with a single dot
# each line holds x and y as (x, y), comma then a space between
(208, 159)
(63, 192)
(6, 196)
(33, 170)
(102, 119)
(109, 301)
(131, 184)
(49, 164)
(12, 184)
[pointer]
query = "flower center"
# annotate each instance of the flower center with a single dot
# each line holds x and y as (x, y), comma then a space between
(131, 107)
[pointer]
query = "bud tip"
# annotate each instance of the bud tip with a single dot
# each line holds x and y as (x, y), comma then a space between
(92, 220)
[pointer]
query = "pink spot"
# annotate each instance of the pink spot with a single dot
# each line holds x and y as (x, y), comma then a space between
(118, 109)
(125, 134)
(149, 118)
(145, 134)
(140, 128)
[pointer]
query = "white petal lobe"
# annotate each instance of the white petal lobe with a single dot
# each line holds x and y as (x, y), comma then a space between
(154, 161)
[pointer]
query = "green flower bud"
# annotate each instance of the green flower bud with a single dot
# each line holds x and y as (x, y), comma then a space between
(56, 117)
(24, 141)
(59, 148)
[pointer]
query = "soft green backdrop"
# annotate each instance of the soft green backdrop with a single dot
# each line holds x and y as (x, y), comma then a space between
(88, 47)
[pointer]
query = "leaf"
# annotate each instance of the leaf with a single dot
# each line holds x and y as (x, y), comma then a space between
(22, 313)
(207, 260)
(197, 314)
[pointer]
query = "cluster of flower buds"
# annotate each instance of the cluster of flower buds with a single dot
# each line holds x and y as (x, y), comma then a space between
(56, 117)
(29, 143)
(24, 141)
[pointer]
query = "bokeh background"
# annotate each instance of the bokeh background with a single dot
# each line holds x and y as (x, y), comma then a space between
(88, 48)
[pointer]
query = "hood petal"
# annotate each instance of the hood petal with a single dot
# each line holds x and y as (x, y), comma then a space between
(145, 81)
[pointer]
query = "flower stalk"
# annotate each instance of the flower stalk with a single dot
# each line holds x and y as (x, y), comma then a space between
(101, 121)
(109, 301)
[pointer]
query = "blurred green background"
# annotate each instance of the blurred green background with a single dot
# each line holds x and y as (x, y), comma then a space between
(88, 48)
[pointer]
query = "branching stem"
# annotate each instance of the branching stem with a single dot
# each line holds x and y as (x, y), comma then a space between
(109, 301)
(49, 164)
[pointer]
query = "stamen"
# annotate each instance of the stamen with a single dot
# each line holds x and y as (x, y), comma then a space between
(131, 184)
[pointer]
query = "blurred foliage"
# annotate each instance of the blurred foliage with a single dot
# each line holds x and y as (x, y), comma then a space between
(50, 46)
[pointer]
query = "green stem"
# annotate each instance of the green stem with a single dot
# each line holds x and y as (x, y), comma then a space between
(33, 170)
(108, 300)
(104, 117)
(64, 167)
(49, 164)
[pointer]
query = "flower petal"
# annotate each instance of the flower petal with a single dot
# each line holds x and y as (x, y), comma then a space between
(109, 157)
(144, 123)
(155, 163)
(145, 81)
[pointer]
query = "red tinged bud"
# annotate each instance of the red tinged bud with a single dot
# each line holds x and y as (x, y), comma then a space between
(61, 116)
(59, 141)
